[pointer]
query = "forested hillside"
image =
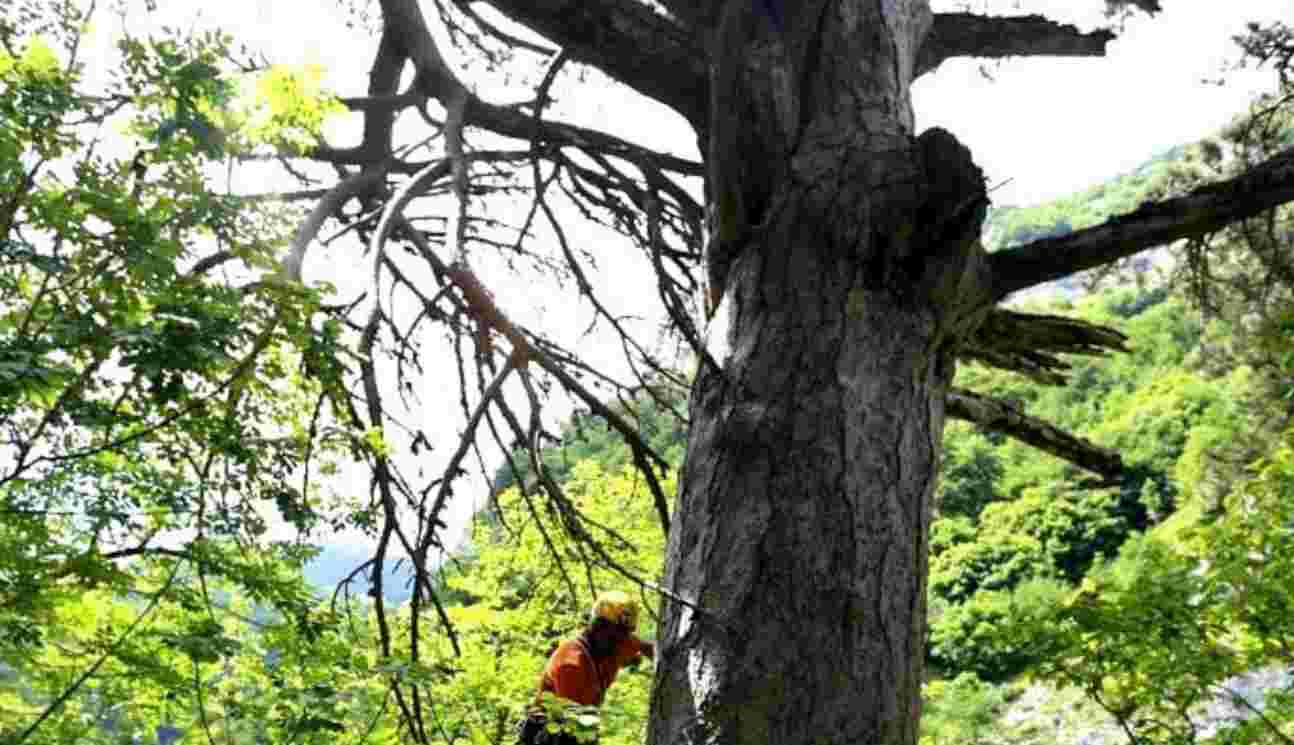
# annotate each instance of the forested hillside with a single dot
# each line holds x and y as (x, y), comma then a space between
(1012, 225)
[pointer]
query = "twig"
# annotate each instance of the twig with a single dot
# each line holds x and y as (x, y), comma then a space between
(62, 698)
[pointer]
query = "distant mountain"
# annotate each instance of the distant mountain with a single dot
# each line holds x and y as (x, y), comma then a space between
(336, 562)
(1011, 225)
(1007, 226)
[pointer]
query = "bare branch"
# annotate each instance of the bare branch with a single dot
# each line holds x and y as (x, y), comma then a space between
(406, 38)
(352, 186)
(511, 40)
(971, 35)
(393, 102)
(1000, 416)
(403, 20)
(282, 196)
(207, 263)
(1204, 210)
(523, 351)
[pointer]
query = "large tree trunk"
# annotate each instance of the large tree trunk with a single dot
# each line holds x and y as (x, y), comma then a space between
(800, 537)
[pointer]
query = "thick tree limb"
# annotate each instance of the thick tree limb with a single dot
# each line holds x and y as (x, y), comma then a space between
(1031, 344)
(383, 80)
(1001, 416)
(354, 185)
(971, 35)
(511, 40)
(1203, 210)
(666, 59)
(628, 41)
(411, 40)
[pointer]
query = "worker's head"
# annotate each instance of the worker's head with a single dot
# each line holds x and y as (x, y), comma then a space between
(615, 607)
(612, 619)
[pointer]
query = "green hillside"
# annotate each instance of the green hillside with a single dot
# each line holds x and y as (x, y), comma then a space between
(1012, 225)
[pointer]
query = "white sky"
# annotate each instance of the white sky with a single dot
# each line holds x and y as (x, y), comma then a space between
(1050, 126)
(1058, 125)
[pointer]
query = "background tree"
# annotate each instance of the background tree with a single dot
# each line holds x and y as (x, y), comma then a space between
(158, 416)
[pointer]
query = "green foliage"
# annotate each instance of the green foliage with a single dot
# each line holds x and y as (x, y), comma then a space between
(580, 722)
(186, 102)
(1198, 599)
(1162, 629)
(169, 433)
(285, 108)
(161, 435)
(960, 710)
(1010, 516)
(655, 414)
(967, 483)
(971, 637)
(193, 665)
(1011, 226)
(166, 424)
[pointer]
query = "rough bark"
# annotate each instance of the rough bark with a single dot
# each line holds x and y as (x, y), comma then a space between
(669, 59)
(800, 535)
(801, 530)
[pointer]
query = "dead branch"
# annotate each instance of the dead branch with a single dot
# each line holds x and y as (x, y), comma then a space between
(1000, 416)
(1032, 344)
(355, 185)
(971, 35)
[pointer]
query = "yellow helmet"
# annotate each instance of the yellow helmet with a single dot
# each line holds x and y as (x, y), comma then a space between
(616, 607)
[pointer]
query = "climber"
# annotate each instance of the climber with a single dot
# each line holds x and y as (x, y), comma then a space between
(582, 669)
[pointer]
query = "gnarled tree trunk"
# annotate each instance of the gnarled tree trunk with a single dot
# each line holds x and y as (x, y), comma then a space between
(800, 535)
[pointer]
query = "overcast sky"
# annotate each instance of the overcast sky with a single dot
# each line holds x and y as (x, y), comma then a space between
(1049, 126)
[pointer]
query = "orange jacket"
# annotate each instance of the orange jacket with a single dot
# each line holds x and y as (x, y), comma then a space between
(570, 675)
